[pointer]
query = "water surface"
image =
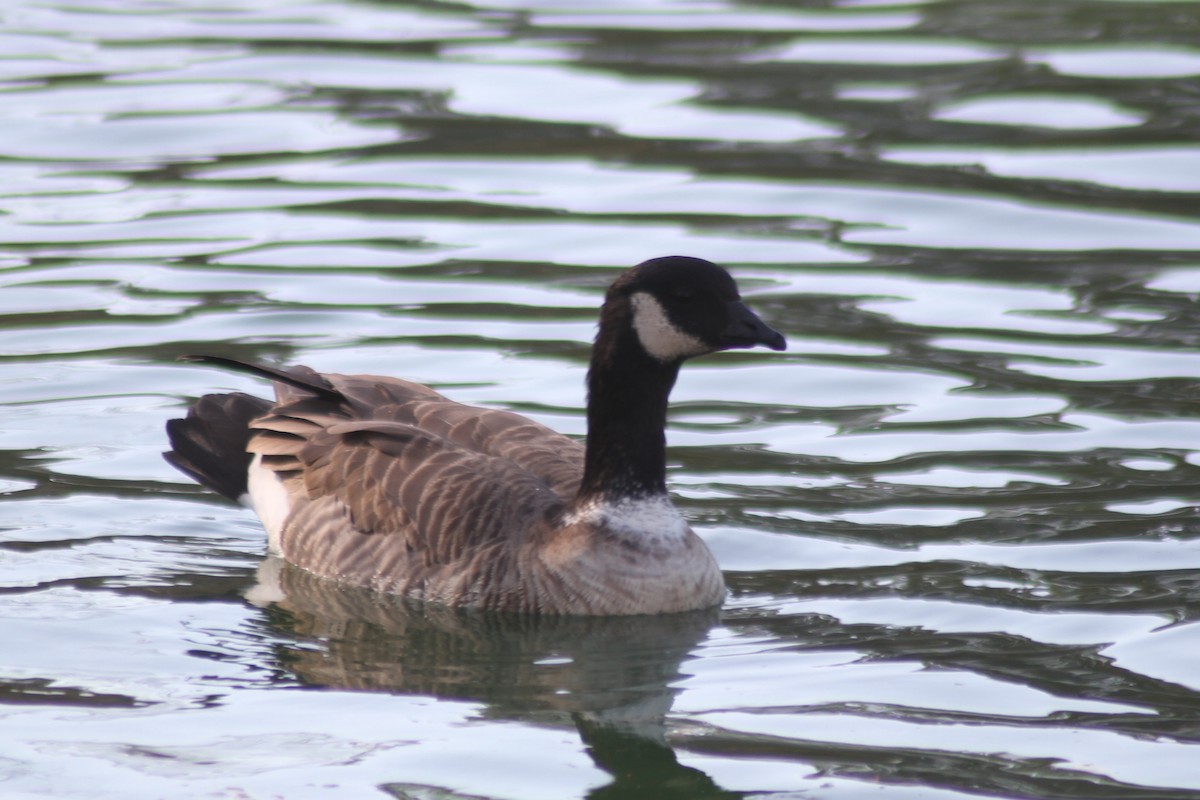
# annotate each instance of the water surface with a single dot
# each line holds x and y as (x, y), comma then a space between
(957, 517)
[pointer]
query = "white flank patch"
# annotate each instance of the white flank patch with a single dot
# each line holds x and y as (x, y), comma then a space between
(269, 500)
(658, 335)
(653, 520)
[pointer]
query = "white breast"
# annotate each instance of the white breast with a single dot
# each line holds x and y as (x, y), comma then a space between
(653, 521)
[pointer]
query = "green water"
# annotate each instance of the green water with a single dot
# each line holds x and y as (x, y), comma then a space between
(957, 517)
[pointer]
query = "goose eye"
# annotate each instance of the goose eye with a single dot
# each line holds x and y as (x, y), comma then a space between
(684, 295)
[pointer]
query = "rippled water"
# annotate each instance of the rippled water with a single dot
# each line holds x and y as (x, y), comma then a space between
(957, 517)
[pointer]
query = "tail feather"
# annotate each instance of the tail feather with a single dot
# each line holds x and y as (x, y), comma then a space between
(209, 445)
(299, 377)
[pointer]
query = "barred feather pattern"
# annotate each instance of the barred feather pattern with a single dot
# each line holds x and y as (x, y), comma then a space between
(401, 490)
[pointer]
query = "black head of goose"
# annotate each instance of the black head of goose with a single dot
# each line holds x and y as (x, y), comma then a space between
(384, 483)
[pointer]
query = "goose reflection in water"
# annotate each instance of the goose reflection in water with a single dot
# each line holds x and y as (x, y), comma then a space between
(611, 677)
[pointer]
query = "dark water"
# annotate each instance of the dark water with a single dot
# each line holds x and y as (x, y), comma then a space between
(957, 517)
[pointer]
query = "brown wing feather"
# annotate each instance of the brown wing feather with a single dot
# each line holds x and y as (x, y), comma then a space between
(556, 459)
(399, 482)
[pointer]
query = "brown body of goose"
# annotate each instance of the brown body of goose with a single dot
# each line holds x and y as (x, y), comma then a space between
(385, 483)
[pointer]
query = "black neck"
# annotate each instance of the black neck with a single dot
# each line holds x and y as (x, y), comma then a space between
(627, 415)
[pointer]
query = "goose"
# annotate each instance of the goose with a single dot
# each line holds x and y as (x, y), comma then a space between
(384, 483)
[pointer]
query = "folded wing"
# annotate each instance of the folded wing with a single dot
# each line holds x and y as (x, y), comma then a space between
(391, 479)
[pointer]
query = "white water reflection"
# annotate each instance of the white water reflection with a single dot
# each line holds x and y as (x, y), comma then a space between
(805, 680)
(1085, 361)
(885, 51)
(1046, 111)
(1120, 62)
(745, 550)
(723, 18)
(878, 92)
(1170, 653)
(114, 100)
(878, 214)
(182, 137)
(940, 220)
(1184, 280)
(942, 303)
(960, 478)
(275, 19)
(1161, 168)
(677, 121)
(1075, 431)
(549, 92)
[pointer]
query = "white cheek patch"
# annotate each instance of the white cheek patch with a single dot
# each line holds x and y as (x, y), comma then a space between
(658, 335)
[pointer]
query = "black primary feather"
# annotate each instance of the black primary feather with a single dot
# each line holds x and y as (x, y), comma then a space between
(209, 445)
